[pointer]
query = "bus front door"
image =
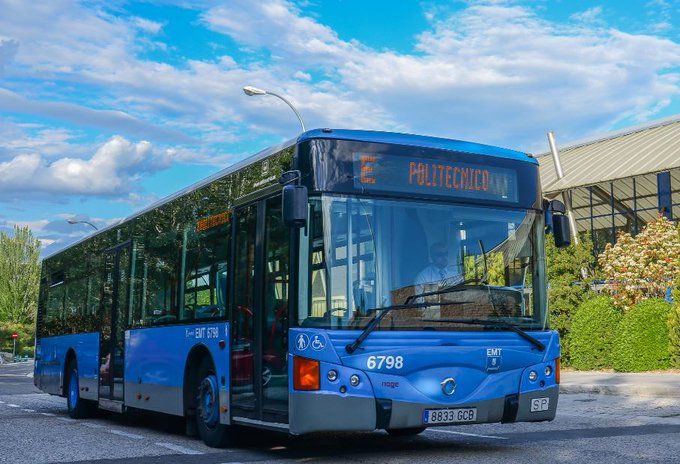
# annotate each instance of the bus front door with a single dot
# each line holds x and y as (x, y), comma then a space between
(259, 370)
(111, 337)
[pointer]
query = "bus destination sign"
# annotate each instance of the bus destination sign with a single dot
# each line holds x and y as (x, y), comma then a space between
(381, 172)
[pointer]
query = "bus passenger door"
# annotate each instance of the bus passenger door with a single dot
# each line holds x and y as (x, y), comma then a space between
(112, 333)
(259, 373)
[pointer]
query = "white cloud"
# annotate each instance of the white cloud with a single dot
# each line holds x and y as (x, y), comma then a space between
(492, 72)
(35, 226)
(591, 15)
(152, 27)
(113, 120)
(113, 169)
(8, 48)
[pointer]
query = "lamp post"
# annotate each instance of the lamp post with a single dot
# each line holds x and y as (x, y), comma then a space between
(250, 91)
(74, 221)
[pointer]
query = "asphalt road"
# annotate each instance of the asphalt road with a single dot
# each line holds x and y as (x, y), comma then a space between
(35, 428)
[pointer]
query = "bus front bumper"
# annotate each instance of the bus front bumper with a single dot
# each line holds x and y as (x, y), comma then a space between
(324, 412)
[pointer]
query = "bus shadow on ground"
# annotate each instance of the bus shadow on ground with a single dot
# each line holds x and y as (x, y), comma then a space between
(276, 445)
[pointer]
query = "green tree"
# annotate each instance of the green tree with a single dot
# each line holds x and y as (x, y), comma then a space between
(569, 270)
(19, 276)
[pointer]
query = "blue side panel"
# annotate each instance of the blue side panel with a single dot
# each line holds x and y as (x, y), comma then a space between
(156, 359)
(51, 356)
(409, 366)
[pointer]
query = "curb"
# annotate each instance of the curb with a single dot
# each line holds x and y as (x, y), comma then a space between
(666, 391)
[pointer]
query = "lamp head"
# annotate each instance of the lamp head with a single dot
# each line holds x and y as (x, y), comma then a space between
(250, 91)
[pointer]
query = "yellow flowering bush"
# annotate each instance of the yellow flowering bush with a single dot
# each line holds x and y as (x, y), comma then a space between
(643, 266)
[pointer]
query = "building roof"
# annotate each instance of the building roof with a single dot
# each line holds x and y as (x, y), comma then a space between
(634, 151)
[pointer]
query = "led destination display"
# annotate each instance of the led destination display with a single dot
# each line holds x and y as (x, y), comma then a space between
(387, 173)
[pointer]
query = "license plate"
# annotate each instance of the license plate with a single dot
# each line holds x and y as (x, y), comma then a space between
(540, 404)
(449, 416)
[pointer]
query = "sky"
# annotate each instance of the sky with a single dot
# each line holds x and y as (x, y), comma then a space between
(108, 106)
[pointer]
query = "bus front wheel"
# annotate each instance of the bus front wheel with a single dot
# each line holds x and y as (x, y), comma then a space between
(78, 408)
(210, 430)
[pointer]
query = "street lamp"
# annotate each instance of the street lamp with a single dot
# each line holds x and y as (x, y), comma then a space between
(74, 221)
(250, 91)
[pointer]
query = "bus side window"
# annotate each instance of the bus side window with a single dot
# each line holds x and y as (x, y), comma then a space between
(205, 273)
(157, 271)
(54, 313)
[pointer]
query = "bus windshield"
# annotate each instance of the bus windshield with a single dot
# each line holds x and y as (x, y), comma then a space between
(437, 262)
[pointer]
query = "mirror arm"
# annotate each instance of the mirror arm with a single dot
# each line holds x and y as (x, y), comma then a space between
(290, 176)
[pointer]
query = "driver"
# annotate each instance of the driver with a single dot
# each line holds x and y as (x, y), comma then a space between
(439, 271)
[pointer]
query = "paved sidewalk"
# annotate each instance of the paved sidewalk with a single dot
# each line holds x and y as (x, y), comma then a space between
(616, 383)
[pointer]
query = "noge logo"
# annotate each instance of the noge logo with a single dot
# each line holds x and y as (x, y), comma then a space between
(390, 384)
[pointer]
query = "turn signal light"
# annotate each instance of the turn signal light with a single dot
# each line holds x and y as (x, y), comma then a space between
(305, 373)
(557, 370)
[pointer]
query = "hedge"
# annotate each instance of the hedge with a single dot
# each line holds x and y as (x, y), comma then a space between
(642, 339)
(593, 330)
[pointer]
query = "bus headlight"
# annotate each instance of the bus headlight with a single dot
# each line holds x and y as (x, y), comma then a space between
(533, 375)
(332, 375)
(354, 380)
(547, 371)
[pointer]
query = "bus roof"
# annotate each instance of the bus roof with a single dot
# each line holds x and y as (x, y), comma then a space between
(416, 141)
(337, 134)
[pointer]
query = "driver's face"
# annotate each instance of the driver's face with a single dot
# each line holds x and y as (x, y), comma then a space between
(440, 257)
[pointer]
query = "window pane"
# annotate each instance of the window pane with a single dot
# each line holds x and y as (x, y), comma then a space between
(205, 272)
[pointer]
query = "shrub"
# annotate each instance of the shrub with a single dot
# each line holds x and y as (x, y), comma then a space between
(642, 266)
(593, 330)
(674, 322)
(567, 271)
(642, 338)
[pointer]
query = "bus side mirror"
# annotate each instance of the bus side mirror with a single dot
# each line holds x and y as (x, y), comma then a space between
(295, 206)
(561, 230)
(557, 223)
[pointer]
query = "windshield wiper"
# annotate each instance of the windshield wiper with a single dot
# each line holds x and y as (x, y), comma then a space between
(494, 323)
(352, 347)
(448, 289)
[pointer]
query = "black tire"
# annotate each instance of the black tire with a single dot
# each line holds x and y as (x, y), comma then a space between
(210, 430)
(412, 431)
(78, 408)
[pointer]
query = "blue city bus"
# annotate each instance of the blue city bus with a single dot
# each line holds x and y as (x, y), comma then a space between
(343, 281)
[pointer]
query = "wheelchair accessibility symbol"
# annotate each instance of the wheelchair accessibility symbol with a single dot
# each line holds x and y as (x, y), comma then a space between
(318, 343)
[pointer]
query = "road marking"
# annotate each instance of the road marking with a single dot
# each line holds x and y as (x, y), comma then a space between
(126, 434)
(13, 405)
(92, 426)
(49, 414)
(179, 448)
(467, 434)
(2, 402)
(29, 410)
(65, 419)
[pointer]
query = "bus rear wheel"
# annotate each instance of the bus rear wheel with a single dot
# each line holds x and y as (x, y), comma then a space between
(405, 432)
(210, 430)
(78, 408)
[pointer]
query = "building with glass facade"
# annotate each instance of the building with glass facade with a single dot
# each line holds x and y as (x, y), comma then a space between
(619, 181)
